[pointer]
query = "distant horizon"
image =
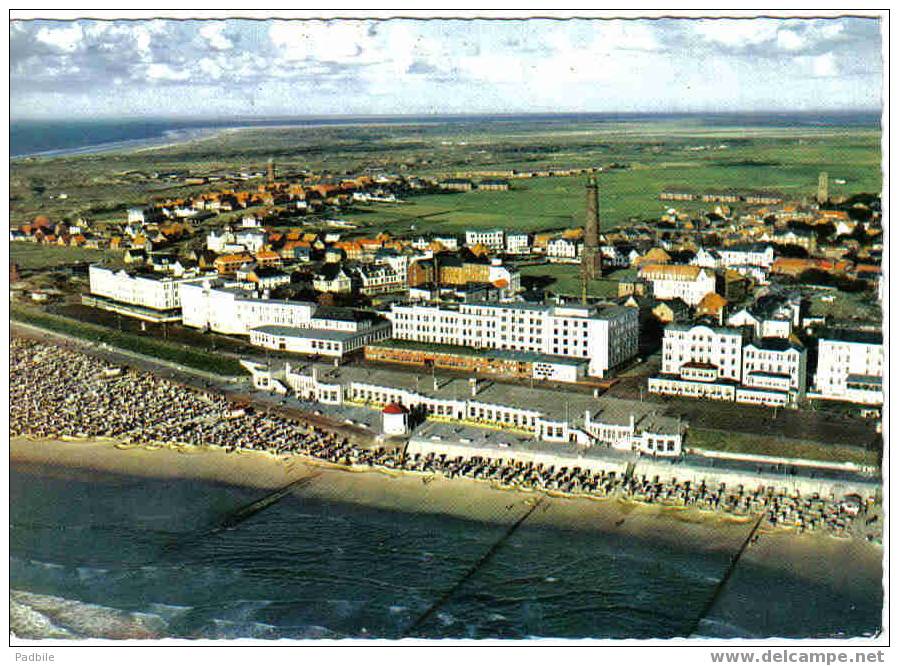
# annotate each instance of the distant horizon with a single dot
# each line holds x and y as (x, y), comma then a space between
(63, 136)
(441, 114)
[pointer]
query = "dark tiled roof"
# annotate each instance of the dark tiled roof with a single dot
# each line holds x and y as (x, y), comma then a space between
(853, 335)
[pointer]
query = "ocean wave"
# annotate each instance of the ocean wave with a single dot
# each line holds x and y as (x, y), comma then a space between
(710, 627)
(445, 619)
(44, 616)
(52, 566)
(91, 573)
(169, 612)
(29, 623)
(219, 628)
(224, 629)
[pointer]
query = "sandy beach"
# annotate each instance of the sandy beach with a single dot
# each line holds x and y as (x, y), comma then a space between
(460, 497)
(402, 491)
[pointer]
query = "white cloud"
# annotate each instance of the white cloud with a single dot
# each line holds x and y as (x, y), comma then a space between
(824, 65)
(734, 32)
(330, 41)
(789, 40)
(830, 29)
(210, 68)
(65, 39)
(214, 35)
(142, 40)
(163, 72)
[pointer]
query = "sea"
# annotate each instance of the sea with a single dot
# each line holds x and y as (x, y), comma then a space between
(48, 138)
(101, 555)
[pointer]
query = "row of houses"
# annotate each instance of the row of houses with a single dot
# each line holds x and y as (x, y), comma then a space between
(730, 196)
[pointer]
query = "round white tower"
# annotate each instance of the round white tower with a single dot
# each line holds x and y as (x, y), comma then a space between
(395, 420)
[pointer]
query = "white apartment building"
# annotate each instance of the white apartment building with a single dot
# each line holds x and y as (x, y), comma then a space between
(156, 291)
(227, 241)
(719, 364)
(850, 367)
(490, 238)
(774, 369)
(518, 243)
(718, 350)
(759, 255)
(700, 362)
(397, 261)
(688, 283)
(754, 254)
(449, 242)
(771, 316)
(143, 215)
(210, 306)
(251, 239)
(279, 324)
(563, 250)
(762, 326)
(223, 242)
(606, 336)
(377, 279)
(706, 259)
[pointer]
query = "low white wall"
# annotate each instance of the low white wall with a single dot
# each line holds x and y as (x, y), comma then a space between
(779, 460)
(803, 484)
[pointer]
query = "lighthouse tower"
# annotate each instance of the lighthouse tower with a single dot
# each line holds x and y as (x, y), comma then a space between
(591, 260)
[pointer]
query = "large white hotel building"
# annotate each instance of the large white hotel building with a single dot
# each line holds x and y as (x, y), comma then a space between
(603, 336)
(725, 363)
(141, 294)
(294, 326)
(721, 363)
(850, 367)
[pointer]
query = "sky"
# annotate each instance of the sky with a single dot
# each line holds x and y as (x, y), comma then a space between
(244, 68)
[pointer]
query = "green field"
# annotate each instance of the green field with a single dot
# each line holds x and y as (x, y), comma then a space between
(656, 155)
(32, 255)
(141, 344)
(845, 306)
(565, 280)
(788, 165)
(737, 442)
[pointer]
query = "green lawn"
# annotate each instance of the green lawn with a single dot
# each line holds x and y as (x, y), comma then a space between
(167, 351)
(786, 164)
(34, 256)
(565, 280)
(736, 442)
(862, 305)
